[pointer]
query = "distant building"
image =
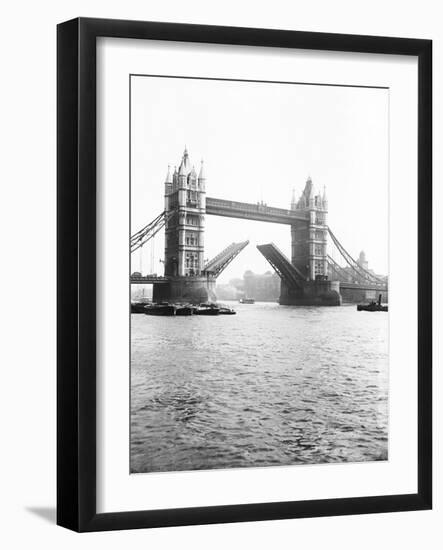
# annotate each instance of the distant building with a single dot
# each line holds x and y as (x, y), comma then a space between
(263, 287)
(227, 292)
(362, 262)
(141, 292)
(352, 275)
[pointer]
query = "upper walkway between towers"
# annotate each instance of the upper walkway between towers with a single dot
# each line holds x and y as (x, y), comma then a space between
(250, 211)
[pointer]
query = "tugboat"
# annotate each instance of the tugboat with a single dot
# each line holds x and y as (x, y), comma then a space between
(184, 310)
(246, 301)
(373, 306)
(164, 308)
(207, 309)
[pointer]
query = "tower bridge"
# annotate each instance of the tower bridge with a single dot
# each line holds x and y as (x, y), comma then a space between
(309, 277)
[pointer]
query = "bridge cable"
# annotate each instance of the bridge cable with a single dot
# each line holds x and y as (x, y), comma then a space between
(339, 270)
(146, 227)
(141, 237)
(365, 274)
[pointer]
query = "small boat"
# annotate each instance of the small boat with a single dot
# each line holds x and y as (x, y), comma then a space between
(246, 301)
(225, 310)
(184, 310)
(207, 309)
(160, 309)
(373, 306)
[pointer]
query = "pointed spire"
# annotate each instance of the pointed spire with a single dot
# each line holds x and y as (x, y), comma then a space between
(182, 170)
(293, 200)
(202, 175)
(308, 191)
(168, 175)
(174, 178)
(184, 166)
(193, 172)
(325, 198)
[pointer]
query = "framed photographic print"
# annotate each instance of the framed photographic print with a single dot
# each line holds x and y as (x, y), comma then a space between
(244, 274)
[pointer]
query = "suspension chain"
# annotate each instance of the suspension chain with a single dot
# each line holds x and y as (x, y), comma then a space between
(364, 273)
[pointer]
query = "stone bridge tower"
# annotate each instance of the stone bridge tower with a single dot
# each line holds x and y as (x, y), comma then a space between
(185, 208)
(309, 254)
(309, 242)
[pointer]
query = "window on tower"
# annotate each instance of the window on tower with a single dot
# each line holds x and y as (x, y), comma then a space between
(191, 238)
(319, 268)
(191, 263)
(191, 198)
(191, 219)
(319, 218)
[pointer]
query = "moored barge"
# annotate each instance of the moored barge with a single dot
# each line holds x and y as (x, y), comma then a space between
(160, 309)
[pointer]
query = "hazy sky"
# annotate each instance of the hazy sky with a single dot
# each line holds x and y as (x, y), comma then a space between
(259, 141)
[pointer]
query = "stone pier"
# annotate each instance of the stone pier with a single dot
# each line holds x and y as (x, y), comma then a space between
(312, 293)
(362, 295)
(194, 290)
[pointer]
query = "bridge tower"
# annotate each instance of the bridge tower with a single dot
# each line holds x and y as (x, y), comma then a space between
(309, 253)
(184, 230)
(309, 242)
(185, 209)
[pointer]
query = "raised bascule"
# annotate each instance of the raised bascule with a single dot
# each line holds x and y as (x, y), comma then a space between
(310, 277)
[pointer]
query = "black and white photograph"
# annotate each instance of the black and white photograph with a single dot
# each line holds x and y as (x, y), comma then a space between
(258, 277)
(225, 216)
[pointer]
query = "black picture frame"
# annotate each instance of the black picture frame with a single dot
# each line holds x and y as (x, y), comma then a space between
(76, 280)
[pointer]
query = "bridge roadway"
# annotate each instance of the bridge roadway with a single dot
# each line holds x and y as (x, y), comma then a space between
(148, 279)
(363, 286)
(249, 211)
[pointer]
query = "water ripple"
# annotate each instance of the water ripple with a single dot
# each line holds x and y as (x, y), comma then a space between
(270, 386)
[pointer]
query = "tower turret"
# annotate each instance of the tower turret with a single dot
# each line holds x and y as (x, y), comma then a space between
(308, 188)
(182, 182)
(182, 169)
(201, 183)
(192, 178)
(305, 200)
(185, 161)
(293, 201)
(175, 179)
(168, 188)
(168, 180)
(202, 177)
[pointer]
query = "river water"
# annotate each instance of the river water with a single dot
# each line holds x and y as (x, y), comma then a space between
(272, 385)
